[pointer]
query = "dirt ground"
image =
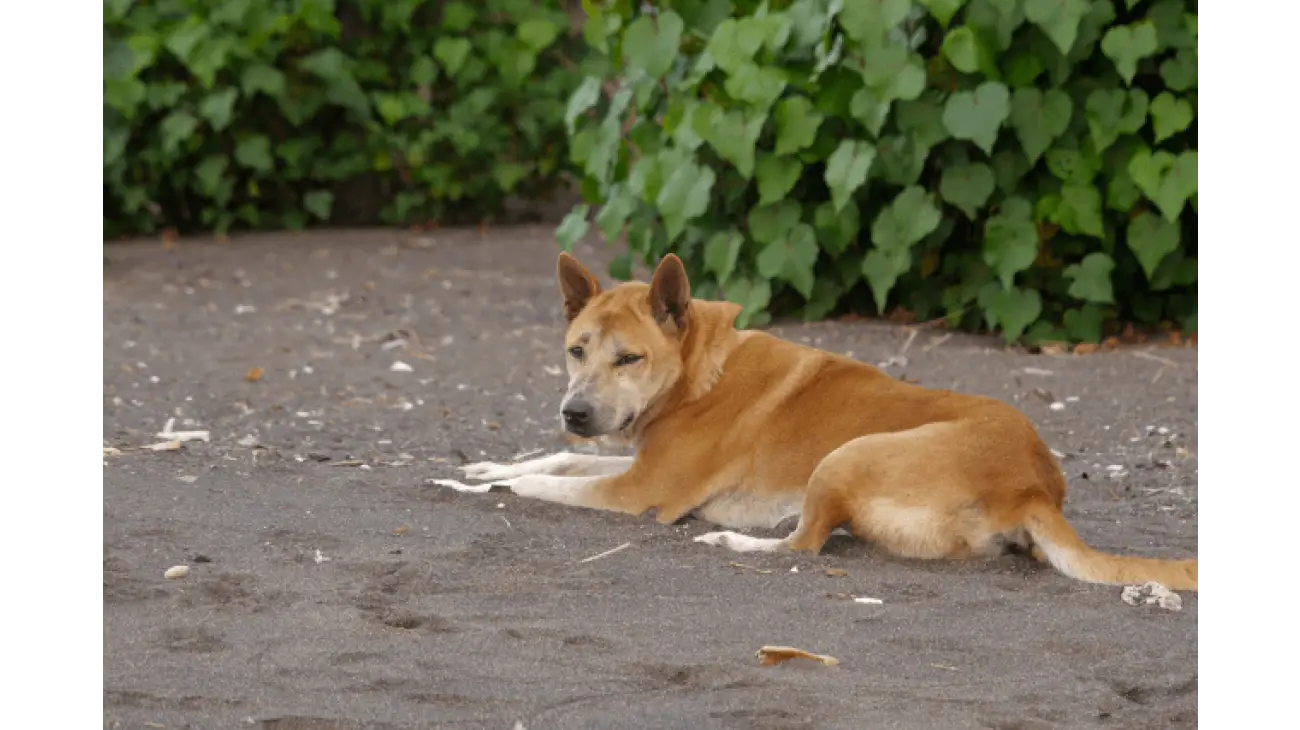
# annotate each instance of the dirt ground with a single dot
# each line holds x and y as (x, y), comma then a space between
(332, 587)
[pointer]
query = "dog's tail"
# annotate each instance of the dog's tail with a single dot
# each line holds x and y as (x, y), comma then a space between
(1062, 547)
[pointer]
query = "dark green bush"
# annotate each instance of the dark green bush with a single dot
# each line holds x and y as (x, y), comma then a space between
(1022, 165)
(275, 113)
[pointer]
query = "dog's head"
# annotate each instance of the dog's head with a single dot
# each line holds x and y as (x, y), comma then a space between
(624, 346)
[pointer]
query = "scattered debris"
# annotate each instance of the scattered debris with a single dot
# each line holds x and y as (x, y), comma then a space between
(245, 309)
(348, 462)
(110, 451)
(936, 342)
(163, 446)
(773, 655)
(168, 433)
(868, 600)
(836, 572)
(607, 553)
(552, 370)
(461, 486)
(254, 375)
(401, 367)
(525, 454)
(176, 572)
(1152, 593)
(250, 441)
(319, 557)
(401, 530)
(188, 478)
(944, 666)
(1041, 372)
(1155, 358)
(794, 569)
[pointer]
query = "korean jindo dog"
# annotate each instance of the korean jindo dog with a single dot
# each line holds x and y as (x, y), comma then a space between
(743, 429)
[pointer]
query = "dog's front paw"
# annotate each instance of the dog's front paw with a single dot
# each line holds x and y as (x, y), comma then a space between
(488, 471)
(716, 539)
(743, 543)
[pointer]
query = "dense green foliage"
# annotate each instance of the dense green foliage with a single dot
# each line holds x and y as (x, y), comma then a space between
(277, 113)
(1022, 165)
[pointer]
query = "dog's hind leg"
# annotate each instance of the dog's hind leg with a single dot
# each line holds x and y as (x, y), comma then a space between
(824, 509)
(564, 463)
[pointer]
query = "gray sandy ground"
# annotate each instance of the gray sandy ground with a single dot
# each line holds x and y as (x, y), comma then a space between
(304, 610)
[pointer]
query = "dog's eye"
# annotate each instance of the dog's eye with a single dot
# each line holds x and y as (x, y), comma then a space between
(575, 353)
(627, 359)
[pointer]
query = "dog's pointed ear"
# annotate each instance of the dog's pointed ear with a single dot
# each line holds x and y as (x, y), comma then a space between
(577, 285)
(670, 292)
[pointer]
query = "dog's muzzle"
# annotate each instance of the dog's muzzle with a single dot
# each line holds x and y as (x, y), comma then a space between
(579, 417)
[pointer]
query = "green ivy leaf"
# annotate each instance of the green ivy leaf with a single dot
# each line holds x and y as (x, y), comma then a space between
(1179, 72)
(771, 223)
(1113, 112)
(899, 160)
(1059, 19)
(219, 107)
(1039, 118)
(685, 195)
(1125, 45)
(753, 297)
(583, 98)
(254, 152)
(451, 53)
(792, 258)
(905, 221)
(943, 10)
(1072, 165)
(732, 134)
(1152, 238)
(1079, 210)
(1167, 180)
(967, 186)
(319, 203)
(776, 177)
(423, 71)
(1014, 310)
(1170, 115)
(651, 44)
(1084, 324)
(734, 43)
(457, 17)
(922, 121)
(176, 128)
(620, 204)
(573, 227)
(759, 87)
(962, 49)
(868, 21)
(721, 253)
(328, 63)
(838, 229)
(796, 124)
(1010, 240)
(537, 33)
(881, 268)
(210, 172)
(869, 110)
(847, 168)
(1090, 278)
(977, 115)
(263, 78)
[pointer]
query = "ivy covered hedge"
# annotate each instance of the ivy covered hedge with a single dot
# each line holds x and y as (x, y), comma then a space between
(1021, 165)
(278, 113)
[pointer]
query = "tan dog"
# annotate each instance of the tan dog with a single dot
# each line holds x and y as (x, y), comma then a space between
(743, 429)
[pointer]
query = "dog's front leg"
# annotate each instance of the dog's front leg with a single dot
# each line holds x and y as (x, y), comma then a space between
(614, 493)
(564, 463)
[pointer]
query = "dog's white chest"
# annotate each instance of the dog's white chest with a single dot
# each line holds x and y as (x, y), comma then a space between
(746, 509)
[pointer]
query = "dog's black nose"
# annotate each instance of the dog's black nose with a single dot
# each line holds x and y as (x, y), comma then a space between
(577, 415)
